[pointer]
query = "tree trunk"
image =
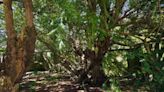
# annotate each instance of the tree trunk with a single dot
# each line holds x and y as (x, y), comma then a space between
(95, 69)
(97, 74)
(19, 50)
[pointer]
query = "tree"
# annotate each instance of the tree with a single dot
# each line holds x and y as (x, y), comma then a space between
(95, 32)
(20, 47)
(100, 26)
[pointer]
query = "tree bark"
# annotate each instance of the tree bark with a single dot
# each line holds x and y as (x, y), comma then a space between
(97, 74)
(19, 49)
(95, 69)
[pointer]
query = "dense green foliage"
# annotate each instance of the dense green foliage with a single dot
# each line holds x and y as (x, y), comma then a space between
(136, 31)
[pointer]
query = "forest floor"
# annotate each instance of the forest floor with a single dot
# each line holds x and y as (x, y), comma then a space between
(46, 81)
(52, 82)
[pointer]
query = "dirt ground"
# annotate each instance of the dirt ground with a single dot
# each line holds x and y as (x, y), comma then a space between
(52, 82)
(46, 81)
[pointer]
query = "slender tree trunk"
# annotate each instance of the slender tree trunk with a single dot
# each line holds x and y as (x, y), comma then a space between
(19, 50)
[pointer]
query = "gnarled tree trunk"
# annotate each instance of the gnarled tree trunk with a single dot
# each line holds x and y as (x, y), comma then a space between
(95, 69)
(20, 48)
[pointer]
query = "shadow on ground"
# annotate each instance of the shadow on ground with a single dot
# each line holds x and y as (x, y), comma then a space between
(52, 82)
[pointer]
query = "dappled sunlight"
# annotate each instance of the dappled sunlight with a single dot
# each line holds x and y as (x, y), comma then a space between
(81, 45)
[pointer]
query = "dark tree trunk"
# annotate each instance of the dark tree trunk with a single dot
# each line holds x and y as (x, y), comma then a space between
(97, 74)
(95, 69)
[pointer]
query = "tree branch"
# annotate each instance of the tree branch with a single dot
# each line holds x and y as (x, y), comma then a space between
(28, 12)
(126, 14)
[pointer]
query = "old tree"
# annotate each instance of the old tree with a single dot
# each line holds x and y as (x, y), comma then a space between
(100, 29)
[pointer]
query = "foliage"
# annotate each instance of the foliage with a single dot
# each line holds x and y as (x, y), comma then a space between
(66, 27)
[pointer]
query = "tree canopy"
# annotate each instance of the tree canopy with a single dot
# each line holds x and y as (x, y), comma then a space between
(111, 44)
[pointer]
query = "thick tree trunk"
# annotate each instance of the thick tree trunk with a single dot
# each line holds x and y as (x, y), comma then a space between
(20, 48)
(95, 69)
(97, 74)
